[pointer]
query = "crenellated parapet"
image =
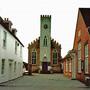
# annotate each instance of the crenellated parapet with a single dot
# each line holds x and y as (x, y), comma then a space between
(45, 16)
(34, 43)
(55, 44)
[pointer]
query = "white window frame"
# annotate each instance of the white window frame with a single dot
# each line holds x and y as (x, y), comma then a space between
(3, 66)
(79, 57)
(35, 57)
(86, 58)
(15, 47)
(21, 51)
(66, 66)
(4, 39)
(70, 66)
(15, 66)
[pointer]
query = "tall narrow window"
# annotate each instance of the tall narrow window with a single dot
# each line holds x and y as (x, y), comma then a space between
(45, 41)
(21, 51)
(86, 58)
(4, 38)
(15, 47)
(70, 69)
(79, 57)
(54, 57)
(33, 57)
(66, 66)
(15, 66)
(3, 66)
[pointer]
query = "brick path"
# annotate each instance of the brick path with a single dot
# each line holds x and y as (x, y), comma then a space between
(43, 82)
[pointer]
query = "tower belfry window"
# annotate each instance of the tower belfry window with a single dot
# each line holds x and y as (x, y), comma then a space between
(45, 41)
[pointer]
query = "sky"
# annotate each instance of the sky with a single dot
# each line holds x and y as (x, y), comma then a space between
(25, 16)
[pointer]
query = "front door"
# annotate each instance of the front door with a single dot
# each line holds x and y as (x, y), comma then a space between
(44, 67)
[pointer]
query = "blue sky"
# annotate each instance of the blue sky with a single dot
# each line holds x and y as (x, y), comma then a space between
(25, 15)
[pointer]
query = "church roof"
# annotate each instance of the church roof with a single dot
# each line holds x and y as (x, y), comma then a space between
(86, 15)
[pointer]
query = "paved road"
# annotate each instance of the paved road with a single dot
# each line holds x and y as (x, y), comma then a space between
(43, 82)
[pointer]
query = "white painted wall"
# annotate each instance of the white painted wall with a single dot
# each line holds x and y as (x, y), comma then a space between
(8, 54)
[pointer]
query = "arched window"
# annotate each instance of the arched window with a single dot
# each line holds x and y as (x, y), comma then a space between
(45, 41)
(34, 57)
(54, 57)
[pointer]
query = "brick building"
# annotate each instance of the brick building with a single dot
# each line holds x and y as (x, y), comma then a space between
(70, 65)
(82, 44)
(44, 53)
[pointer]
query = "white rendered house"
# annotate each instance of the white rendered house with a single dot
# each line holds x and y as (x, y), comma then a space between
(11, 61)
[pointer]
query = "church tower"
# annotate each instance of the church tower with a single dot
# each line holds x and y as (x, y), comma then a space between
(45, 38)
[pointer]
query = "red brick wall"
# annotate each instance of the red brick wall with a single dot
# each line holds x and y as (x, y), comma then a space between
(67, 73)
(84, 37)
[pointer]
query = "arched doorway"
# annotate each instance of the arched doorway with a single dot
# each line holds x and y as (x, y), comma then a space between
(45, 65)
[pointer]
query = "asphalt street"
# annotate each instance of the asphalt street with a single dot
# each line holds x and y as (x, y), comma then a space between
(43, 82)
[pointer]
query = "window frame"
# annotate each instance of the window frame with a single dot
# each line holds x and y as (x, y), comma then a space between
(16, 47)
(15, 66)
(79, 56)
(35, 58)
(55, 59)
(3, 67)
(45, 42)
(86, 54)
(4, 39)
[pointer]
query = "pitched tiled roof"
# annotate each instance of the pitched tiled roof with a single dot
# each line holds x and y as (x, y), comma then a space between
(86, 15)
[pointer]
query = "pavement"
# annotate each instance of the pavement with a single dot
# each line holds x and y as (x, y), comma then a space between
(43, 82)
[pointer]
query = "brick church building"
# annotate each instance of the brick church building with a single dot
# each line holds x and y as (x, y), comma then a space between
(44, 53)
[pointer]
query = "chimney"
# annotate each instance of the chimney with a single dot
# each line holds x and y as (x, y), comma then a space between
(7, 23)
(14, 31)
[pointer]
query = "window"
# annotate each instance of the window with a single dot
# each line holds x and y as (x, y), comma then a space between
(33, 57)
(3, 66)
(54, 57)
(70, 67)
(15, 47)
(21, 51)
(4, 38)
(14, 66)
(45, 41)
(66, 66)
(79, 33)
(79, 57)
(45, 26)
(86, 58)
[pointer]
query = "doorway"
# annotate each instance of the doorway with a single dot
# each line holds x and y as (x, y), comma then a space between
(44, 67)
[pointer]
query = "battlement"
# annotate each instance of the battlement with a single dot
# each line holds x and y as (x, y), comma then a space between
(46, 16)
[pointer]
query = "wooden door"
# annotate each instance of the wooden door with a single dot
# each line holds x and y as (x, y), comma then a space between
(45, 67)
